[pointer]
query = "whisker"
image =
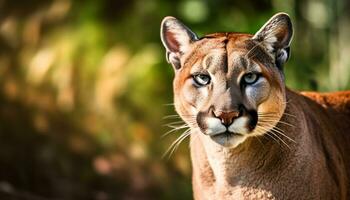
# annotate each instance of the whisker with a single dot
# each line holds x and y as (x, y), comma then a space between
(173, 130)
(176, 143)
(268, 134)
(267, 131)
(283, 134)
(180, 141)
(280, 139)
(174, 123)
(274, 133)
(274, 114)
(286, 123)
(178, 116)
(268, 114)
(171, 116)
(288, 114)
(276, 121)
(169, 104)
(257, 137)
(280, 131)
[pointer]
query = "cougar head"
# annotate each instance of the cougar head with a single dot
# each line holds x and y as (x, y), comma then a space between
(230, 86)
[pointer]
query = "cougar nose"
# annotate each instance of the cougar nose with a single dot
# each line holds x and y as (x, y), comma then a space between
(228, 117)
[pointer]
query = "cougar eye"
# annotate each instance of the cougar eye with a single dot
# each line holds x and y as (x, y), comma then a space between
(201, 79)
(250, 78)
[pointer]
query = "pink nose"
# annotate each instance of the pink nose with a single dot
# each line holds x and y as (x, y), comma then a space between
(228, 117)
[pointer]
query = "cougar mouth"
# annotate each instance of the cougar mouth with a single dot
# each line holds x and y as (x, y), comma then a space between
(228, 139)
(226, 134)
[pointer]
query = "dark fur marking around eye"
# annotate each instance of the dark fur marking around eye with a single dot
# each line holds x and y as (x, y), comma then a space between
(208, 62)
(243, 62)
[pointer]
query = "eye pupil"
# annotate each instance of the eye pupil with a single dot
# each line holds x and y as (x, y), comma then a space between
(201, 79)
(250, 78)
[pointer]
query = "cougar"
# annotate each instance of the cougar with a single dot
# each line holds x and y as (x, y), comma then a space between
(250, 136)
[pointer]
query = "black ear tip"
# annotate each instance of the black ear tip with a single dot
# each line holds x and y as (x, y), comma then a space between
(282, 15)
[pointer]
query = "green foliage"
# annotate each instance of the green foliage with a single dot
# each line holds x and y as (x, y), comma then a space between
(84, 88)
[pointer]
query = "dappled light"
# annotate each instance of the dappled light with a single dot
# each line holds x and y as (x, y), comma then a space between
(85, 87)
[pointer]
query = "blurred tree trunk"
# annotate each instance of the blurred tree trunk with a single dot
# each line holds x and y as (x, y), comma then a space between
(339, 69)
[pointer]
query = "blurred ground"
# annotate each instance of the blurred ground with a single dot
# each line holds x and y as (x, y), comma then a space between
(84, 88)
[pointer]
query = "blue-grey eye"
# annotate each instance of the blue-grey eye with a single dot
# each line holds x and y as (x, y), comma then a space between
(201, 79)
(250, 78)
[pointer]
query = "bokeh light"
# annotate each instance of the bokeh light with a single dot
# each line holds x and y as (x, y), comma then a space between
(85, 89)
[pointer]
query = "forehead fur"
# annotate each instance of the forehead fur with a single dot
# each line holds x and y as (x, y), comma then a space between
(228, 44)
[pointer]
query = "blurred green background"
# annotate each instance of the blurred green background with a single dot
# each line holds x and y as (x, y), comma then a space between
(84, 89)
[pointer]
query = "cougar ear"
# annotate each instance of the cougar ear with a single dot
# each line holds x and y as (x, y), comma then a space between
(275, 36)
(176, 38)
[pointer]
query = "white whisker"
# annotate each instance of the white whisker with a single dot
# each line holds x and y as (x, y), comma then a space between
(275, 121)
(174, 129)
(274, 133)
(176, 143)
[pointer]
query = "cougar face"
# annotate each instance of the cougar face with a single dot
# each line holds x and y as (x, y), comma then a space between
(230, 86)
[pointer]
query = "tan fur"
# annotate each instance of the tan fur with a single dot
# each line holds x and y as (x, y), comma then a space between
(316, 166)
(299, 147)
